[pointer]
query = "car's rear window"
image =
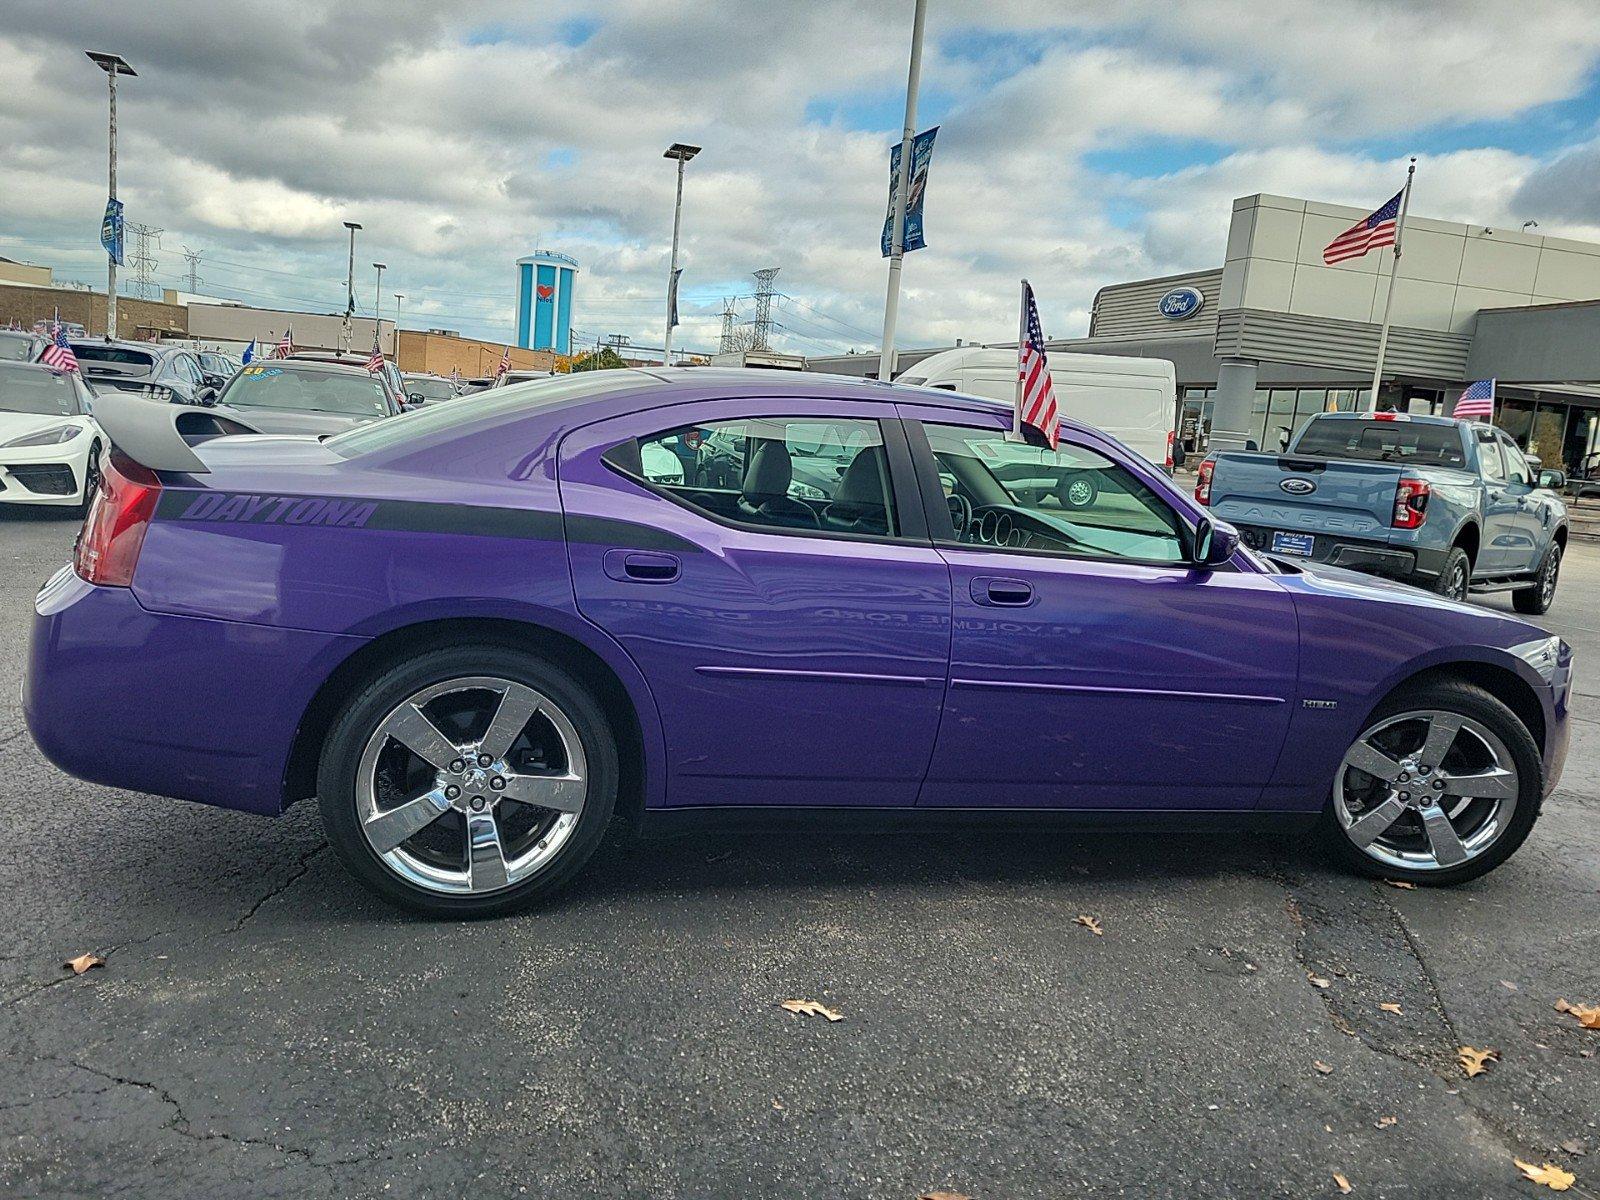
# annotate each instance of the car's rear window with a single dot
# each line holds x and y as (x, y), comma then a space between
(423, 423)
(272, 386)
(122, 360)
(1374, 440)
(16, 347)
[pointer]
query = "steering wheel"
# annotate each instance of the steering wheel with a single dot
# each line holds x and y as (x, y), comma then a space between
(960, 513)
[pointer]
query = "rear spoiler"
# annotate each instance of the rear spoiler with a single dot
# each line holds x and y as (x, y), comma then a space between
(162, 436)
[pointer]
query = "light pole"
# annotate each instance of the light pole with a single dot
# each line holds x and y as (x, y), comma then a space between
(113, 65)
(683, 153)
(399, 297)
(377, 309)
(897, 247)
(350, 284)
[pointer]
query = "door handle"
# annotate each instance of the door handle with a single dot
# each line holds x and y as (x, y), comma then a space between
(641, 566)
(1005, 593)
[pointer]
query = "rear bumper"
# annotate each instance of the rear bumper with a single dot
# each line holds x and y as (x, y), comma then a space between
(185, 707)
(1358, 554)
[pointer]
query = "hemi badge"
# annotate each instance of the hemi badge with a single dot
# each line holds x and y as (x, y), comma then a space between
(1319, 703)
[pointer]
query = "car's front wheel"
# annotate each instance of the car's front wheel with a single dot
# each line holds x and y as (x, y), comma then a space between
(1455, 575)
(1442, 785)
(470, 781)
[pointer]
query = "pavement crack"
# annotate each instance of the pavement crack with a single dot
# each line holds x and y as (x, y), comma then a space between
(1422, 965)
(289, 881)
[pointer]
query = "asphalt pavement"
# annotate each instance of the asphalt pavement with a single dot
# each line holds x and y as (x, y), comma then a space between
(263, 1028)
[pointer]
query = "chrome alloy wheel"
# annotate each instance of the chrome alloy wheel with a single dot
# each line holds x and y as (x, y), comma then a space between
(1548, 577)
(471, 785)
(1426, 790)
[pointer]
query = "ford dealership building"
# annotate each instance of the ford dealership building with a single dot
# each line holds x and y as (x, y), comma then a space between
(1274, 335)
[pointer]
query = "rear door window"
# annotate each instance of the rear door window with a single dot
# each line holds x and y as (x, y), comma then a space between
(1489, 460)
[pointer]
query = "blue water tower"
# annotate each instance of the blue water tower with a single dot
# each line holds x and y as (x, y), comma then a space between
(544, 301)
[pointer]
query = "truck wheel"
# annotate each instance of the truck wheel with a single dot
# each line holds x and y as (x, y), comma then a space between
(1455, 574)
(1536, 600)
(1077, 490)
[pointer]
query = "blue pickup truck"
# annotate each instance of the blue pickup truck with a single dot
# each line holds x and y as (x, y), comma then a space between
(1452, 506)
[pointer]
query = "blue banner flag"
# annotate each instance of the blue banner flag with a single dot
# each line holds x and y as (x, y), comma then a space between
(111, 230)
(921, 156)
(249, 352)
(672, 300)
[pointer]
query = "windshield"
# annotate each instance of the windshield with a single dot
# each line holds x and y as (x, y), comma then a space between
(431, 389)
(28, 389)
(119, 359)
(16, 347)
(1373, 440)
(309, 391)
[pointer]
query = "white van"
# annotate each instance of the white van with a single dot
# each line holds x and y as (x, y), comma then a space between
(1135, 400)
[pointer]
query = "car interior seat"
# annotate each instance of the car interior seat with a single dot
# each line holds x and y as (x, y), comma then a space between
(764, 497)
(859, 506)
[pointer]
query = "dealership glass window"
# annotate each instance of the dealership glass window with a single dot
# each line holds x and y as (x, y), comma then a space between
(1516, 418)
(1549, 428)
(1194, 419)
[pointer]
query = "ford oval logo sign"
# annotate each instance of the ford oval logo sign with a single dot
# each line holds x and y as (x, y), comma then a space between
(1297, 487)
(1181, 303)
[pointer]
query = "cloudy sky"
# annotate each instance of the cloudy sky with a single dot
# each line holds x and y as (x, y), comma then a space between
(1081, 144)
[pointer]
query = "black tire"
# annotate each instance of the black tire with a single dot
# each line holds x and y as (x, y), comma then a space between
(1472, 701)
(366, 708)
(91, 479)
(1536, 600)
(1077, 490)
(1454, 576)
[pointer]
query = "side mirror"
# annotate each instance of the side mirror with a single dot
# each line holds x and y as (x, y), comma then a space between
(1283, 439)
(415, 398)
(206, 396)
(1215, 542)
(1553, 480)
(212, 379)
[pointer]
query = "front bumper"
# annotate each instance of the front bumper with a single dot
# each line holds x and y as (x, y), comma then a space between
(41, 475)
(177, 706)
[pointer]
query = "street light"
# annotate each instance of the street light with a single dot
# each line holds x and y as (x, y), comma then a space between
(683, 153)
(377, 308)
(897, 242)
(398, 297)
(113, 65)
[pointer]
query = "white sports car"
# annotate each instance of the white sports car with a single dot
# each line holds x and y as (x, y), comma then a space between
(50, 446)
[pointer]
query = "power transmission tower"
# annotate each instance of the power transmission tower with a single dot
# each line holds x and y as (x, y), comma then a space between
(762, 328)
(192, 278)
(143, 259)
(730, 340)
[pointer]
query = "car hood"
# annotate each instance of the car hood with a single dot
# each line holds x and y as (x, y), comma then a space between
(15, 425)
(293, 420)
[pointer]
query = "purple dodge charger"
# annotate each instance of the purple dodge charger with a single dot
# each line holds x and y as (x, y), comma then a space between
(478, 632)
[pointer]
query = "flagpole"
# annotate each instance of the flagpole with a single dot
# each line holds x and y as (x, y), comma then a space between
(1394, 272)
(1022, 336)
(897, 243)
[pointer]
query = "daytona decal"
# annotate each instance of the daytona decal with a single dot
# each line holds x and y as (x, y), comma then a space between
(273, 510)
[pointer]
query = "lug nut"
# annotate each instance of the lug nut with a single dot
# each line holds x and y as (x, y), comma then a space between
(484, 760)
(458, 766)
(1405, 795)
(497, 783)
(477, 804)
(1402, 777)
(1439, 784)
(451, 792)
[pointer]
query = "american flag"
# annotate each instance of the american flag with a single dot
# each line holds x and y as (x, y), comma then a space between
(505, 362)
(285, 346)
(1036, 395)
(1476, 401)
(375, 363)
(58, 355)
(1369, 233)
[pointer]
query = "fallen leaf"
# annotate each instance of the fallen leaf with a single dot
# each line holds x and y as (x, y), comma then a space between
(1552, 1177)
(1317, 981)
(1574, 1146)
(1475, 1062)
(1401, 884)
(1092, 924)
(1323, 1067)
(943, 1196)
(1344, 1184)
(1508, 985)
(1386, 1122)
(83, 962)
(1588, 1015)
(1391, 1008)
(811, 1008)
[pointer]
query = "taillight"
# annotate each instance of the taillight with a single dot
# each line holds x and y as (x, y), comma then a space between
(1202, 483)
(112, 533)
(1411, 503)
(1170, 434)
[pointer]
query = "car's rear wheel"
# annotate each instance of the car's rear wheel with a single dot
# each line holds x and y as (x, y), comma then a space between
(1442, 786)
(91, 478)
(1536, 600)
(1077, 490)
(471, 781)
